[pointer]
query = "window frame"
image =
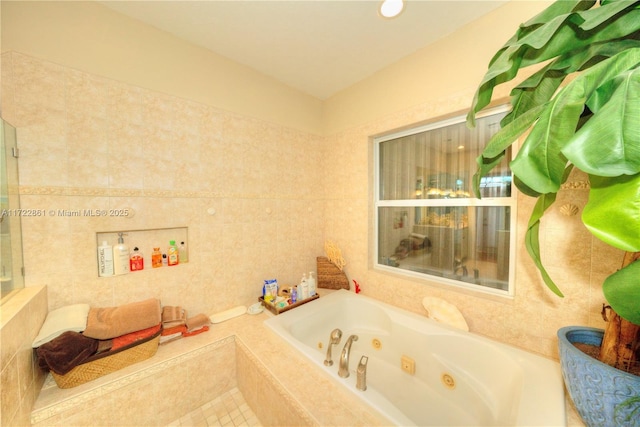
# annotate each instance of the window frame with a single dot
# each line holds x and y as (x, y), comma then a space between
(472, 202)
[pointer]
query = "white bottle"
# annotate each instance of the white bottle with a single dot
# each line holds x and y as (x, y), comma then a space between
(312, 284)
(105, 260)
(120, 257)
(303, 288)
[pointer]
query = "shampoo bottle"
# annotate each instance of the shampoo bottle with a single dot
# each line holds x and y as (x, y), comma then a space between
(105, 260)
(172, 254)
(136, 262)
(120, 257)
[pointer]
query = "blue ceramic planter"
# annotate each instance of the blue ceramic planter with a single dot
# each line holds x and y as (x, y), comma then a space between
(596, 388)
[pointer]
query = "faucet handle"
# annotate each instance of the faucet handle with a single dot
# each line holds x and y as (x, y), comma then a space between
(334, 338)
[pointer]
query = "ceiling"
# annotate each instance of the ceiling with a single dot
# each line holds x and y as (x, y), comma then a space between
(319, 47)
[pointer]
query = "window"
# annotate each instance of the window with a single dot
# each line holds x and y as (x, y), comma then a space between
(429, 223)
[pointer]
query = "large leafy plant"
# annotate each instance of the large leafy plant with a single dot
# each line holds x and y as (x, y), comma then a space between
(581, 109)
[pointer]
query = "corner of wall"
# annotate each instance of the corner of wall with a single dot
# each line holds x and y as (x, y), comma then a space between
(21, 379)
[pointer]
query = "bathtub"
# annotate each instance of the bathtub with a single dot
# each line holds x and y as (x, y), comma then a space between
(459, 379)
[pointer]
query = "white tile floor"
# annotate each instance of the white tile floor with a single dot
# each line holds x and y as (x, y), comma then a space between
(230, 409)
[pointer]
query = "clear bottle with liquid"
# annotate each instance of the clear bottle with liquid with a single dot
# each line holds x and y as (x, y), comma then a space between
(183, 253)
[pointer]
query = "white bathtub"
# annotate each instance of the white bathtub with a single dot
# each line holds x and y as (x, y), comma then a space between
(494, 384)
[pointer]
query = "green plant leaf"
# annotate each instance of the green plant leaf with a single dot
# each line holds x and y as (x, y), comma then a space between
(508, 134)
(484, 166)
(532, 236)
(532, 239)
(608, 144)
(524, 189)
(539, 164)
(553, 33)
(541, 161)
(612, 213)
(542, 85)
(621, 290)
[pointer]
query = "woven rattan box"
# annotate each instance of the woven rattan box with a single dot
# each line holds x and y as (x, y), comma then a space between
(103, 364)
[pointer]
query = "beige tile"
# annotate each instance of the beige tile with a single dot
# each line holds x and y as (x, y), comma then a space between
(41, 88)
(10, 396)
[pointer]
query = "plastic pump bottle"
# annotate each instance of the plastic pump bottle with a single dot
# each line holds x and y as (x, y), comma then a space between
(120, 257)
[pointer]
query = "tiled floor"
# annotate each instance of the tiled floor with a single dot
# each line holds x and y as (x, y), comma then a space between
(230, 409)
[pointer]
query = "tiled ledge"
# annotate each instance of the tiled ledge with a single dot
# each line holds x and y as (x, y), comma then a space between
(266, 369)
(54, 401)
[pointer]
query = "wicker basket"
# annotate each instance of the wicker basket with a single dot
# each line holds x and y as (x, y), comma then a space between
(105, 365)
(330, 276)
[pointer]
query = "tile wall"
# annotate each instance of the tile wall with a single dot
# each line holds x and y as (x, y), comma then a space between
(249, 192)
(21, 379)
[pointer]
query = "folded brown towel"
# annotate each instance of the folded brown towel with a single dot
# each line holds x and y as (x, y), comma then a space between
(65, 352)
(197, 321)
(173, 316)
(111, 322)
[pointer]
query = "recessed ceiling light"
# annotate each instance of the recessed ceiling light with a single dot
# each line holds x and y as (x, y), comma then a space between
(391, 8)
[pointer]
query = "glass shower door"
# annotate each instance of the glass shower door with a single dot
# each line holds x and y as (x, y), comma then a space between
(11, 277)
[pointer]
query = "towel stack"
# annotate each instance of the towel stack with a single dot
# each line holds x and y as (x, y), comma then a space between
(107, 329)
(176, 324)
(60, 347)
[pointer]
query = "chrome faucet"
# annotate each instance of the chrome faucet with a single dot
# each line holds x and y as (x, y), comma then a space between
(334, 338)
(344, 357)
(361, 382)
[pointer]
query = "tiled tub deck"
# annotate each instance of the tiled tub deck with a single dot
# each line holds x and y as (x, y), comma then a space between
(280, 386)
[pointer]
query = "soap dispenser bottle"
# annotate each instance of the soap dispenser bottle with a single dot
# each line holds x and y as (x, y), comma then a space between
(120, 257)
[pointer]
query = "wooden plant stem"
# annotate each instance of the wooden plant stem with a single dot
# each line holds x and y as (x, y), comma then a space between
(621, 342)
